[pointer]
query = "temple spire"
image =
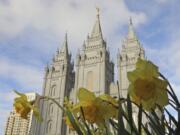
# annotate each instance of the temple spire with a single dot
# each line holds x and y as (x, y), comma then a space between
(96, 32)
(131, 32)
(64, 48)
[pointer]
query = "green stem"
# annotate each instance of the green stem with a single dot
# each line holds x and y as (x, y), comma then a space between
(173, 95)
(52, 99)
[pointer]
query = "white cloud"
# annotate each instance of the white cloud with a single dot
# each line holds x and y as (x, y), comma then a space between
(167, 58)
(7, 96)
(25, 76)
(58, 16)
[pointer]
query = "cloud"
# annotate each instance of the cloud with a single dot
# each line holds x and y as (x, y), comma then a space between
(7, 96)
(59, 16)
(167, 57)
(23, 76)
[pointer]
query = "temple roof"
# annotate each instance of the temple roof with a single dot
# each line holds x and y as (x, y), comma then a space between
(131, 31)
(96, 32)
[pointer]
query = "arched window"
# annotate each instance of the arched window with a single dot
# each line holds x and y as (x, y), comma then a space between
(120, 57)
(49, 127)
(53, 90)
(101, 53)
(50, 111)
(89, 80)
(85, 57)
(127, 58)
(53, 68)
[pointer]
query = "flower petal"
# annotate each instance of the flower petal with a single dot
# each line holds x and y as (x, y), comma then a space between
(85, 95)
(109, 99)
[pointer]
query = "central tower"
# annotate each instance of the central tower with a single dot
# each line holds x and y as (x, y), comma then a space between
(94, 70)
(127, 58)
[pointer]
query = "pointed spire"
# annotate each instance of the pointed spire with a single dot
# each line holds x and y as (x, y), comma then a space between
(47, 67)
(84, 45)
(64, 48)
(131, 32)
(97, 26)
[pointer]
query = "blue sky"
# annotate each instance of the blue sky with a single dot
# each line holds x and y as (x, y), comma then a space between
(32, 30)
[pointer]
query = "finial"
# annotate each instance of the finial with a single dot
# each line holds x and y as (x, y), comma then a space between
(47, 65)
(57, 51)
(88, 36)
(78, 51)
(84, 45)
(98, 10)
(53, 58)
(130, 21)
(66, 36)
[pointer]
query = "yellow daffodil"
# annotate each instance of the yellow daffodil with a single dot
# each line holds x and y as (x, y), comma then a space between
(96, 109)
(24, 107)
(67, 103)
(146, 87)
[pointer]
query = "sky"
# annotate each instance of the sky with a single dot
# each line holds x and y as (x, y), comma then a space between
(32, 30)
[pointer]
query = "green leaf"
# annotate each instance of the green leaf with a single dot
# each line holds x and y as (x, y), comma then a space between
(21, 94)
(146, 130)
(163, 123)
(73, 122)
(171, 117)
(114, 124)
(130, 114)
(84, 121)
(37, 114)
(121, 129)
(140, 119)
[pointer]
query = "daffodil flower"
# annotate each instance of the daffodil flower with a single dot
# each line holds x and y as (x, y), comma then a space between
(24, 107)
(146, 87)
(95, 109)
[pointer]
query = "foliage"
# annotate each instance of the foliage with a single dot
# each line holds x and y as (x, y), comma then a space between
(146, 87)
(145, 110)
(24, 107)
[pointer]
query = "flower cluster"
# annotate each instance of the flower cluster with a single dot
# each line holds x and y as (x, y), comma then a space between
(24, 107)
(94, 109)
(146, 87)
(102, 114)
